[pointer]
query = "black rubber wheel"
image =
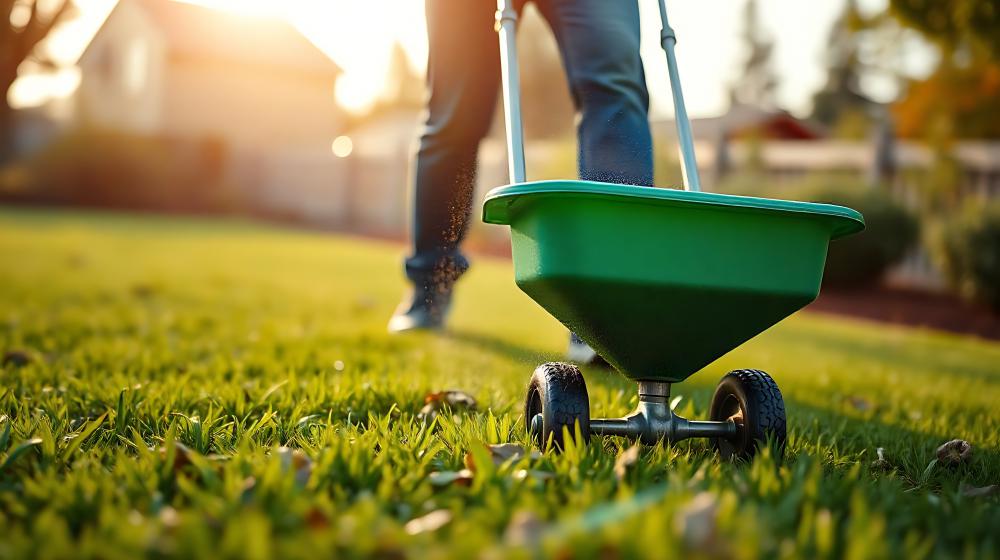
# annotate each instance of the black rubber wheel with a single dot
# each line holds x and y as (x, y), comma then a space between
(557, 395)
(750, 398)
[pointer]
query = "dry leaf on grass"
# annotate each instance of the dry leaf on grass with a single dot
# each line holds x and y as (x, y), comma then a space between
(16, 358)
(954, 452)
(524, 529)
(696, 522)
(981, 492)
(454, 400)
(532, 474)
(880, 463)
(501, 454)
(296, 460)
(315, 519)
(430, 522)
(169, 517)
(860, 404)
(182, 455)
(447, 478)
(626, 462)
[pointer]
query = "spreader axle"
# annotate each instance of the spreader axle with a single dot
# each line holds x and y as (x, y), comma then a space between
(653, 421)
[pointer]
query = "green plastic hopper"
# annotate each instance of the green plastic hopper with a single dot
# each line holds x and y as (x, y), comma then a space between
(661, 282)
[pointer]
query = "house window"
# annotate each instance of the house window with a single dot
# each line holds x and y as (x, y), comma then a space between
(136, 65)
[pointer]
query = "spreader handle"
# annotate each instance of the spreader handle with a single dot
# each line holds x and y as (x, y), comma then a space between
(689, 165)
(506, 26)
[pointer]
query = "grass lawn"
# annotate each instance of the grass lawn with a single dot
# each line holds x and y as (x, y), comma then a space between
(127, 336)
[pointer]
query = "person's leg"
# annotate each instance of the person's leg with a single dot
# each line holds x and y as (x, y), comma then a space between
(463, 72)
(599, 43)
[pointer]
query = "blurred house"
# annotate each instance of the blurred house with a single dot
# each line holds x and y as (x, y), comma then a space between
(379, 171)
(787, 149)
(742, 121)
(783, 151)
(250, 91)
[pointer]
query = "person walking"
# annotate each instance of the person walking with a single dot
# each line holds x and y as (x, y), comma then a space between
(598, 41)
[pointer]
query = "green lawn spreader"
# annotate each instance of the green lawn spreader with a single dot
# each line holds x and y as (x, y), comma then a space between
(660, 282)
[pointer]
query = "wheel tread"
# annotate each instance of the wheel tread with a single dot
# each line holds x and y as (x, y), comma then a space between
(564, 400)
(764, 413)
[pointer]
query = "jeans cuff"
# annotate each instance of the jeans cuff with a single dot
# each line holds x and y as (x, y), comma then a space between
(439, 270)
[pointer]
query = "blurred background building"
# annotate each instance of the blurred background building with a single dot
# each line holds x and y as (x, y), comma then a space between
(307, 112)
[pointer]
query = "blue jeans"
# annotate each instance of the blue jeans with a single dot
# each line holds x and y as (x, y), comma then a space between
(599, 44)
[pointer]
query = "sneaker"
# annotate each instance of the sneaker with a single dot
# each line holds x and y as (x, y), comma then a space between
(580, 352)
(421, 309)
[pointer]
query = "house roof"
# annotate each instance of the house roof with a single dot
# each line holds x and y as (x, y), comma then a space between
(777, 125)
(201, 31)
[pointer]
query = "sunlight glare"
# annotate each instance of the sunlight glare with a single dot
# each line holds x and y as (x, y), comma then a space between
(359, 35)
(342, 146)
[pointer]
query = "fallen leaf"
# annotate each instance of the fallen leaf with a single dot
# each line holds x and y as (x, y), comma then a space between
(298, 461)
(524, 529)
(169, 517)
(626, 462)
(954, 452)
(502, 453)
(447, 478)
(860, 404)
(16, 358)
(696, 522)
(316, 519)
(182, 455)
(427, 523)
(981, 492)
(143, 290)
(880, 463)
(532, 474)
(454, 400)
(247, 489)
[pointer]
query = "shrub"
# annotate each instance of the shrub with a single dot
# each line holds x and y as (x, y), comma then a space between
(968, 250)
(121, 170)
(856, 261)
(861, 260)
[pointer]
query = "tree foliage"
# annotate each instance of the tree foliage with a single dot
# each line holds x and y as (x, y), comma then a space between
(953, 22)
(958, 101)
(841, 105)
(961, 98)
(757, 83)
(24, 25)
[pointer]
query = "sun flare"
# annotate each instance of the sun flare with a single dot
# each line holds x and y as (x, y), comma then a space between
(358, 34)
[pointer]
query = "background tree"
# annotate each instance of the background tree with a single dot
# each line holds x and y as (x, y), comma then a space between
(961, 98)
(24, 25)
(952, 23)
(841, 105)
(757, 83)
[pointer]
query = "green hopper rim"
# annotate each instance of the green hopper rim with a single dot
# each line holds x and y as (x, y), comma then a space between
(497, 206)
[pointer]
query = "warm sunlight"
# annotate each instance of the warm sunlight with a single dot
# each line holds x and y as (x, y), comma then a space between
(357, 34)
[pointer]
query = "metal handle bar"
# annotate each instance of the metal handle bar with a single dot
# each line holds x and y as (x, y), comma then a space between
(689, 165)
(506, 26)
